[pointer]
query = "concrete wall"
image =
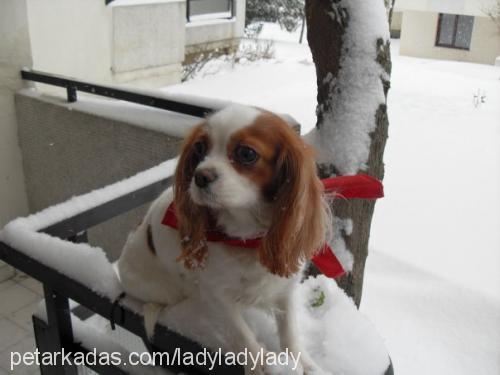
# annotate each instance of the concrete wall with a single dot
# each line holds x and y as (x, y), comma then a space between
(139, 42)
(71, 37)
(148, 42)
(418, 37)
(14, 54)
(70, 152)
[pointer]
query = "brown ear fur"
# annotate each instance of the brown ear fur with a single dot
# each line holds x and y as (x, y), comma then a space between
(191, 218)
(300, 216)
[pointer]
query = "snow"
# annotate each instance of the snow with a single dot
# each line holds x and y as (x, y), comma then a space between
(432, 283)
(330, 325)
(337, 243)
(67, 257)
(348, 120)
(330, 330)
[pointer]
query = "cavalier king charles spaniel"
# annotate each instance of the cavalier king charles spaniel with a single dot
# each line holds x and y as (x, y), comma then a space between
(243, 172)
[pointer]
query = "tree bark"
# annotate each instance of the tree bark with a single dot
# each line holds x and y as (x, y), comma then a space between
(325, 35)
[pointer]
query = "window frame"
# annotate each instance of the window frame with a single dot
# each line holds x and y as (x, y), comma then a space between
(455, 29)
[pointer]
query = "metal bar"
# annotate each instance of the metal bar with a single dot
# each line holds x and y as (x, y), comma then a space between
(120, 94)
(94, 216)
(43, 340)
(233, 10)
(188, 10)
(60, 330)
(71, 93)
(43, 343)
(81, 237)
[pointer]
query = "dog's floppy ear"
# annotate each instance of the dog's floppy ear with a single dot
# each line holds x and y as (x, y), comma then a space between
(300, 218)
(191, 218)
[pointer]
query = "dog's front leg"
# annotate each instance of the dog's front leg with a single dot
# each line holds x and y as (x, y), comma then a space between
(286, 320)
(242, 337)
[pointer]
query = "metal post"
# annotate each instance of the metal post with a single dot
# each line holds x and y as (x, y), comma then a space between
(60, 330)
(188, 10)
(71, 92)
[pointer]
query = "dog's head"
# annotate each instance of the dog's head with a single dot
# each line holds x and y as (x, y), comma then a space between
(246, 163)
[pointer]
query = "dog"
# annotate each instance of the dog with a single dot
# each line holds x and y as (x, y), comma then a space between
(243, 172)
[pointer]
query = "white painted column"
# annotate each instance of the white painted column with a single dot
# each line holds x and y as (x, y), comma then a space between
(15, 53)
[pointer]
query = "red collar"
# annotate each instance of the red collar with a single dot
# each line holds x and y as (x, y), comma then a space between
(358, 186)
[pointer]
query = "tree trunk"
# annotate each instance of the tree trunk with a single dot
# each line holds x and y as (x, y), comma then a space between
(328, 37)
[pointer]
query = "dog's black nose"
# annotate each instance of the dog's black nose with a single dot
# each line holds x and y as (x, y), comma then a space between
(204, 177)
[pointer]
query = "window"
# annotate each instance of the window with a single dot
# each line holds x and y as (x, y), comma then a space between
(454, 31)
(209, 9)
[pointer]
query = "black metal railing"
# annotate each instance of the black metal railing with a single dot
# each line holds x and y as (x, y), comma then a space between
(72, 86)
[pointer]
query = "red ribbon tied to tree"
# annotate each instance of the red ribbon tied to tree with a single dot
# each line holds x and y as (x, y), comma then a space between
(360, 186)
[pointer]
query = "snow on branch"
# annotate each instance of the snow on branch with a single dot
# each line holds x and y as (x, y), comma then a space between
(348, 116)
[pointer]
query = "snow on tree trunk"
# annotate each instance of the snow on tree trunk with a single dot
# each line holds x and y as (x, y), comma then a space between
(349, 41)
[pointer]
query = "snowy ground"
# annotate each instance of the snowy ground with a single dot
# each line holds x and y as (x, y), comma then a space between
(433, 275)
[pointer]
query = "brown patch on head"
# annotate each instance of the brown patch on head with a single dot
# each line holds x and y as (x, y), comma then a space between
(191, 218)
(286, 172)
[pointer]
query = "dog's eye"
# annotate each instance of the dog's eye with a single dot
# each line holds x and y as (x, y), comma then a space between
(245, 155)
(200, 148)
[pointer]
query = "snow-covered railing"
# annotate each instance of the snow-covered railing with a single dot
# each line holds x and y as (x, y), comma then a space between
(49, 246)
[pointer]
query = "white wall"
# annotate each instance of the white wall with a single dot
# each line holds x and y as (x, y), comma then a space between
(71, 37)
(14, 54)
(468, 7)
(148, 41)
(128, 41)
(418, 37)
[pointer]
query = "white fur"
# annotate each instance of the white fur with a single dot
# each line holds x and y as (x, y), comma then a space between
(232, 278)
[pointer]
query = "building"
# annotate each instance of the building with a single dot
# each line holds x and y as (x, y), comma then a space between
(143, 42)
(447, 29)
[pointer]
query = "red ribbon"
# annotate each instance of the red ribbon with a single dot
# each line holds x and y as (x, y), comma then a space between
(348, 187)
